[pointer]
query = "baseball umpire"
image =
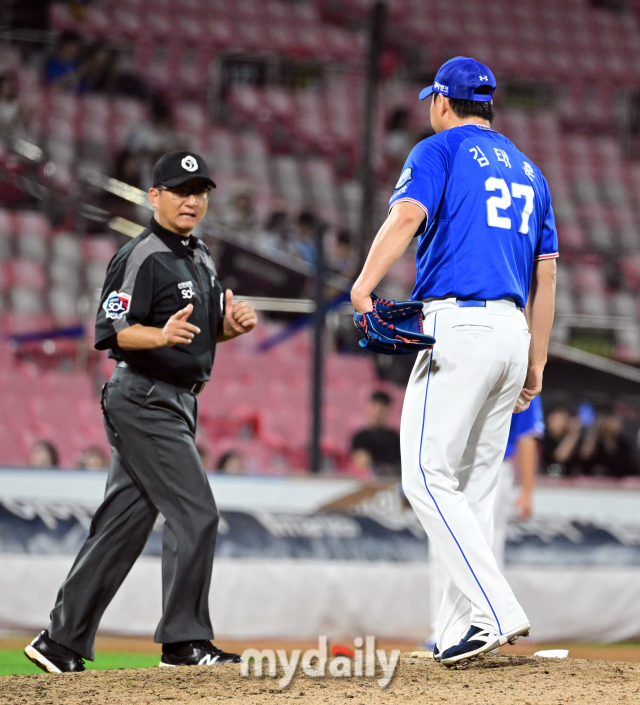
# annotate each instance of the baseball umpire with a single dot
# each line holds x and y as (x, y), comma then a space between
(487, 248)
(161, 313)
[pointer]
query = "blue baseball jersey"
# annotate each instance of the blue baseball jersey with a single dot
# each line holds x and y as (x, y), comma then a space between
(526, 423)
(488, 215)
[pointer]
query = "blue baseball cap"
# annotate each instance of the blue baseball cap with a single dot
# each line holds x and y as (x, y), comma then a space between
(460, 78)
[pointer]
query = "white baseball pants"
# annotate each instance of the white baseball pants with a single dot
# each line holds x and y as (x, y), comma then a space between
(502, 511)
(453, 435)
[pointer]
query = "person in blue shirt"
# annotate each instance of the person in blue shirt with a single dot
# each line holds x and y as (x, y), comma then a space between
(62, 70)
(485, 270)
(522, 453)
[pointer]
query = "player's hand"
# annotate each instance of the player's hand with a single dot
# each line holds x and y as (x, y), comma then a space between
(532, 387)
(239, 318)
(361, 303)
(523, 506)
(178, 330)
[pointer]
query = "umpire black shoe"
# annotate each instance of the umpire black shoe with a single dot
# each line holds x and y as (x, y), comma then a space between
(195, 653)
(52, 657)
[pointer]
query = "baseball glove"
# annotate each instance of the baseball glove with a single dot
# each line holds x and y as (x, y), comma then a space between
(393, 327)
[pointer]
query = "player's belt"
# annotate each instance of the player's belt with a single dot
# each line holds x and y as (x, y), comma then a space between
(478, 303)
(169, 379)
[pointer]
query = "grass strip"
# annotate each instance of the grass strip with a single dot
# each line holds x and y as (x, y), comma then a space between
(14, 662)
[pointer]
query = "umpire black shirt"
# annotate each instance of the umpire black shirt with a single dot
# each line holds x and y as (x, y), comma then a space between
(148, 280)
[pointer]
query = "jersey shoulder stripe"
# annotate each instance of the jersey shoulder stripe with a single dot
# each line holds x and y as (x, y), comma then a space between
(411, 200)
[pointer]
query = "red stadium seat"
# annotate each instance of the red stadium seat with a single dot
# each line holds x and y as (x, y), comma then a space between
(15, 450)
(8, 223)
(17, 324)
(61, 17)
(587, 278)
(630, 268)
(127, 23)
(96, 22)
(192, 29)
(219, 31)
(158, 23)
(26, 274)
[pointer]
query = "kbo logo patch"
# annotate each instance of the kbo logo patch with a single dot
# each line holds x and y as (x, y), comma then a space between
(116, 305)
(189, 163)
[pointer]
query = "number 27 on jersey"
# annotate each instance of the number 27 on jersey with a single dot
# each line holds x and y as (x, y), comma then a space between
(504, 201)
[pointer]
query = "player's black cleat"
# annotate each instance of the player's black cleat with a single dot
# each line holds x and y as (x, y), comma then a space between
(195, 653)
(477, 641)
(436, 653)
(52, 657)
(480, 641)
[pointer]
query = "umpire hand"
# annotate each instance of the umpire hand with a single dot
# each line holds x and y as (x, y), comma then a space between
(177, 330)
(238, 318)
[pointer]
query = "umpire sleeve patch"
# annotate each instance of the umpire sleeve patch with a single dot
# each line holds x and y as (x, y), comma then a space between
(116, 305)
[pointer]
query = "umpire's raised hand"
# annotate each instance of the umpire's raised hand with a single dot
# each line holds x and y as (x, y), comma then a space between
(238, 318)
(178, 330)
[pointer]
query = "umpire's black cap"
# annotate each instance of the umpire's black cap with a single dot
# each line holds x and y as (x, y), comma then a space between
(174, 168)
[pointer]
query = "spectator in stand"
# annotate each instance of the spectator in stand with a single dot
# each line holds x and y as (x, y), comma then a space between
(127, 168)
(240, 213)
(62, 70)
(398, 141)
(606, 450)
(11, 118)
(561, 443)
(377, 447)
(156, 134)
(342, 255)
(303, 243)
(128, 82)
(44, 455)
(93, 458)
(277, 230)
(231, 463)
(98, 69)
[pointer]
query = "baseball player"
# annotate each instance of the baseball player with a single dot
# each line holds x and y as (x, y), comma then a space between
(487, 248)
(522, 450)
(161, 314)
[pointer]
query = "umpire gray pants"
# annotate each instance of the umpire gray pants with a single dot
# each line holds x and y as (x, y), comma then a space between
(154, 469)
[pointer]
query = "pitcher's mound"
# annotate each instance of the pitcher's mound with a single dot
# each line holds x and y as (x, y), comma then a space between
(517, 680)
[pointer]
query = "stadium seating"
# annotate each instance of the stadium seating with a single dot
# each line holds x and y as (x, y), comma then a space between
(302, 146)
(244, 408)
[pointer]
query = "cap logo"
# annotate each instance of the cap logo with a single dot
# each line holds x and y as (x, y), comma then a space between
(441, 88)
(484, 78)
(189, 163)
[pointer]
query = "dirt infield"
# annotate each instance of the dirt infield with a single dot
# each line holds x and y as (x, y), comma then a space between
(625, 651)
(519, 680)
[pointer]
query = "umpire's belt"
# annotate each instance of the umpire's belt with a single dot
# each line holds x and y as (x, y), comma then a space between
(169, 379)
